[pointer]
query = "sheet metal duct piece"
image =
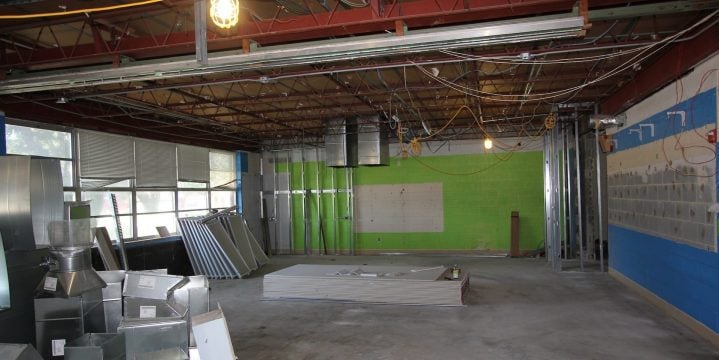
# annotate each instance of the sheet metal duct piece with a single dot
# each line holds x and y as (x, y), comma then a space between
(372, 141)
(59, 321)
(112, 298)
(195, 296)
(18, 352)
(151, 285)
(4, 280)
(148, 335)
(30, 197)
(341, 142)
(96, 346)
(465, 36)
(213, 336)
(139, 308)
(71, 273)
(168, 354)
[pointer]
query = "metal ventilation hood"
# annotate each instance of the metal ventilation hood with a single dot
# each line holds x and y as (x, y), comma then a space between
(372, 141)
(341, 143)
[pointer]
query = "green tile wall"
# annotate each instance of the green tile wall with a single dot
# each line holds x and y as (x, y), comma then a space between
(477, 207)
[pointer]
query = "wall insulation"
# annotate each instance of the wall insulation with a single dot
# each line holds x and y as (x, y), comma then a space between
(661, 187)
(458, 198)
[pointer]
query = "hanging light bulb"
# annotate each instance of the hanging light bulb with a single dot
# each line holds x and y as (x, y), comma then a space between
(488, 143)
(225, 13)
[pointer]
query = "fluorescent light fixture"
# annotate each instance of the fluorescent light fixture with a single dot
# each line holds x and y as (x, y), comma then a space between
(308, 53)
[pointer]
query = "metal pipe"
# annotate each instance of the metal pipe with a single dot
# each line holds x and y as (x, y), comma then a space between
(320, 236)
(307, 231)
(350, 208)
(334, 210)
(599, 201)
(568, 190)
(289, 204)
(580, 234)
(564, 191)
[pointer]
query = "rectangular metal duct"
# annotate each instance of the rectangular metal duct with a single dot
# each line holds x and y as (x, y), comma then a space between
(372, 141)
(341, 142)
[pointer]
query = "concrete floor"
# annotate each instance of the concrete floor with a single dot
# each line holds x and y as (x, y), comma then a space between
(518, 309)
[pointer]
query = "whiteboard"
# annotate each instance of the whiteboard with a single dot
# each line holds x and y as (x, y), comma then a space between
(399, 208)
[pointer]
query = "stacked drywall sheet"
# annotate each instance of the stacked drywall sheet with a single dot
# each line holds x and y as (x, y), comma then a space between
(221, 247)
(405, 285)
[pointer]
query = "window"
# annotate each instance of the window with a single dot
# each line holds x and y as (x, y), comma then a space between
(222, 170)
(22, 140)
(154, 182)
(192, 200)
(222, 199)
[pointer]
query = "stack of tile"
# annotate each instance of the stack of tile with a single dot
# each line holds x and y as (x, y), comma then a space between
(222, 247)
(402, 285)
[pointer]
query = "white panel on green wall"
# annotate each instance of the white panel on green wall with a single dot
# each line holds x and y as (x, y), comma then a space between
(399, 208)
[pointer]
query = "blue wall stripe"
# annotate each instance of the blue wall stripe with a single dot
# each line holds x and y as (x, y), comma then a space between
(699, 111)
(685, 276)
(682, 275)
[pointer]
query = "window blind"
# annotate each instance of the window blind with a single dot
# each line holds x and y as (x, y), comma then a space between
(193, 163)
(106, 156)
(155, 163)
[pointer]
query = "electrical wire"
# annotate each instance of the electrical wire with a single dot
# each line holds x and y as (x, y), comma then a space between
(636, 59)
(79, 11)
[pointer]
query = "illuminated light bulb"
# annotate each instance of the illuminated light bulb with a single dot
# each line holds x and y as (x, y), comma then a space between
(488, 143)
(225, 13)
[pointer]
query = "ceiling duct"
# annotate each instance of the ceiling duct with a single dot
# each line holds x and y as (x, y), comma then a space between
(341, 142)
(308, 53)
(372, 141)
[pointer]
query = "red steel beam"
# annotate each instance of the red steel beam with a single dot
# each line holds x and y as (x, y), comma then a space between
(335, 23)
(676, 61)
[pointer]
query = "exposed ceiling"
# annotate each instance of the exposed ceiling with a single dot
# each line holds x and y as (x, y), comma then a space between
(505, 89)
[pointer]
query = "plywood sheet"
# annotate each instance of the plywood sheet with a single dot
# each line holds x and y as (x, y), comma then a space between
(399, 208)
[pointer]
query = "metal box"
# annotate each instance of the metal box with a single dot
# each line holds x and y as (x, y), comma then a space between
(60, 320)
(169, 354)
(372, 141)
(139, 308)
(195, 296)
(112, 298)
(96, 347)
(18, 352)
(57, 321)
(151, 285)
(341, 142)
(148, 335)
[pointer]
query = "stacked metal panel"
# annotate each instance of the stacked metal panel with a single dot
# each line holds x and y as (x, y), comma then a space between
(222, 247)
(402, 285)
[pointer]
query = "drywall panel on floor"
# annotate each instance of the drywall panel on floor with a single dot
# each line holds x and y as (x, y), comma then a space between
(399, 208)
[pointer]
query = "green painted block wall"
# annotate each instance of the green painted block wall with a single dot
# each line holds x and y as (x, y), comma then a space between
(477, 207)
